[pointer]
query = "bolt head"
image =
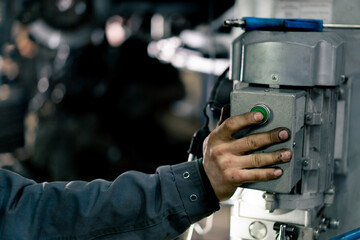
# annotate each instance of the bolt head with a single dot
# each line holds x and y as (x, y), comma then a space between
(274, 77)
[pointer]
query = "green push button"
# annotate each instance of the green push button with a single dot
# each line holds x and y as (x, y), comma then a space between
(264, 110)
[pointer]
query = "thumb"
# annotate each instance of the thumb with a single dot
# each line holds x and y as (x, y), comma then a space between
(225, 114)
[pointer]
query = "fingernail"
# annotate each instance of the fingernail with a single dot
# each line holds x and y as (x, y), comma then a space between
(278, 172)
(283, 135)
(258, 116)
(285, 155)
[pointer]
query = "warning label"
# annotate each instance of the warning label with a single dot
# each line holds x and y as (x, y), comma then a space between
(305, 9)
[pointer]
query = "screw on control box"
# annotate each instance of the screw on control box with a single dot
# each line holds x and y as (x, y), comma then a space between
(264, 110)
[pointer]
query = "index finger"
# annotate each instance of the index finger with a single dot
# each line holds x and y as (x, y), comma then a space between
(234, 124)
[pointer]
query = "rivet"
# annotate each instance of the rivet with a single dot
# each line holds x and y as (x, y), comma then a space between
(193, 197)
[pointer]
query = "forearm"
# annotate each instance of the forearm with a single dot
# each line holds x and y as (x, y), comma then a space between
(134, 206)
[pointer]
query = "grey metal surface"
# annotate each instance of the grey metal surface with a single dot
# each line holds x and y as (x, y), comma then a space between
(296, 59)
(307, 107)
(293, 201)
(346, 206)
(287, 110)
(319, 141)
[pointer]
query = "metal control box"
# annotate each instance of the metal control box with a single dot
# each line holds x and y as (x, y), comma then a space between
(308, 81)
(287, 109)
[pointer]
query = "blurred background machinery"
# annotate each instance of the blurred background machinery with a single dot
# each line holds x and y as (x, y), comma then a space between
(92, 88)
(94, 103)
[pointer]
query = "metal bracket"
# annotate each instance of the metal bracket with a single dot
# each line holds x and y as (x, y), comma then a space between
(313, 118)
(271, 202)
(310, 164)
(329, 196)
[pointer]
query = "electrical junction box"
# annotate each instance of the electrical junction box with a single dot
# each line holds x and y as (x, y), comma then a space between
(286, 108)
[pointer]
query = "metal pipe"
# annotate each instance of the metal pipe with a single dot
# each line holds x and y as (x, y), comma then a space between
(235, 23)
(341, 26)
(239, 22)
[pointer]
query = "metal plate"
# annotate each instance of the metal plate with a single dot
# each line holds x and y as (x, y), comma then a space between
(287, 110)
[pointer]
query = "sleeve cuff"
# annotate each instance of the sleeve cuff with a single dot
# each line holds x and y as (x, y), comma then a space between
(195, 190)
(209, 189)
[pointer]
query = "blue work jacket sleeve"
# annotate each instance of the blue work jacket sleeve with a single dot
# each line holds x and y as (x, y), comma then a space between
(134, 206)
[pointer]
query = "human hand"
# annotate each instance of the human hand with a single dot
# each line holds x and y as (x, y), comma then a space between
(226, 159)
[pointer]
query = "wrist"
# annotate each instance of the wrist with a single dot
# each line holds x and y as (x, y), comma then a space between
(207, 185)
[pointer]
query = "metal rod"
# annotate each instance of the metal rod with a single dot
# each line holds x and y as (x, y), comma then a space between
(238, 22)
(341, 26)
(235, 22)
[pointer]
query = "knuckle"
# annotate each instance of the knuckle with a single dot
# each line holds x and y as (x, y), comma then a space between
(256, 160)
(230, 176)
(226, 164)
(251, 143)
(230, 124)
(263, 175)
(217, 151)
(257, 177)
